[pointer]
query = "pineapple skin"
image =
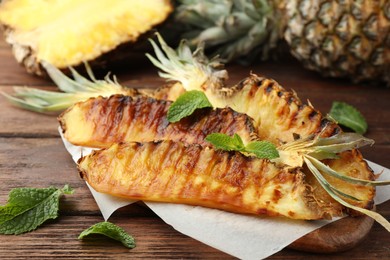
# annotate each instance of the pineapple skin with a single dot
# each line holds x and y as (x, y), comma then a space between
(336, 38)
(191, 174)
(102, 121)
(341, 38)
(68, 33)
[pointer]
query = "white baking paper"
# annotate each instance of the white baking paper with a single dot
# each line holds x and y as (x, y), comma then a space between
(242, 236)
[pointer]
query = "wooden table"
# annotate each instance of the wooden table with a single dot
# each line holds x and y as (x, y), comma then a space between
(32, 155)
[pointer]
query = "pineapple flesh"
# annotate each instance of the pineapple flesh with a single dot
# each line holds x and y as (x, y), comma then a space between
(100, 122)
(191, 174)
(67, 33)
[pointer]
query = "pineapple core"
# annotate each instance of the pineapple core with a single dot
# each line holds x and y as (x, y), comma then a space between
(66, 33)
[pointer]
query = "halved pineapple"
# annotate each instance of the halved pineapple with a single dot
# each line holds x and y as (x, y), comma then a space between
(66, 33)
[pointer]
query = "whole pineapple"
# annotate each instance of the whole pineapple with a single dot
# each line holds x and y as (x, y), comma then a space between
(338, 38)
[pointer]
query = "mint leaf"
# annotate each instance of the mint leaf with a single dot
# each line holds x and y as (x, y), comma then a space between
(348, 116)
(28, 208)
(110, 230)
(262, 149)
(225, 142)
(186, 104)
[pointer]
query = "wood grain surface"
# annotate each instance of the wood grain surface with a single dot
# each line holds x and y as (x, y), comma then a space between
(32, 155)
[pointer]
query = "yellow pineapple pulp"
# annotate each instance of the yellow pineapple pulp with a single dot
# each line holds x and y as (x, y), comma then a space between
(101, 122)
(191, 174)
(67, 33)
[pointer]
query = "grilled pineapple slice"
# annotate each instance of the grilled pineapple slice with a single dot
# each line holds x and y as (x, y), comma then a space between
(100, 122)
(191, 174)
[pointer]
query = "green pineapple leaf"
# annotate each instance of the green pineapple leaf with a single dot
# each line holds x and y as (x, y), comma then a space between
(348, 116)
(186, 104)
(110, 230)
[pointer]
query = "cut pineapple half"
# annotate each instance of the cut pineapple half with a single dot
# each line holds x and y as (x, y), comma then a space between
(65, 33)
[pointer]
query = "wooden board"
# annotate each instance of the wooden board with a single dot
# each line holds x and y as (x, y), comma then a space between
(338, 236)
(32, 154)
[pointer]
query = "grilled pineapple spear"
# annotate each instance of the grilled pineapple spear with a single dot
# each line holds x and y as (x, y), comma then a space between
(100, 122)
(173, 172)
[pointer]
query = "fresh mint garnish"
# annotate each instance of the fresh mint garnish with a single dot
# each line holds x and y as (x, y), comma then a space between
(262, 149)
(28, 208)
(348, 116)
(186, 104)
(225, 142)
(110, 230)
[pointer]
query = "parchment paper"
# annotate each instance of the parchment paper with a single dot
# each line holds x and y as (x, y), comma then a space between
(242, 236)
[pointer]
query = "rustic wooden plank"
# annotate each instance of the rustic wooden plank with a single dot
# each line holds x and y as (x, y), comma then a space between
(44, 162)
(37, 162)
(19, 122)
(34, 162)
(11, 73)
(32, 154)
(58, 239)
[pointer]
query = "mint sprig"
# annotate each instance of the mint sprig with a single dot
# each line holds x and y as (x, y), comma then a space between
(348, 116)
(186, 104)
(28, 208)
(110, 230)
(261, 149)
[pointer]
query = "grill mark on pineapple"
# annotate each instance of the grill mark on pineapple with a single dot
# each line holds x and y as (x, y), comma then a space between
(156, 111)
(213, 122)
(313, 115)
(93, 114)
(270, 86)
(117, 115)
(193, 181)
(193, 153)
(123, 118)
(164, 168)
(176, 181)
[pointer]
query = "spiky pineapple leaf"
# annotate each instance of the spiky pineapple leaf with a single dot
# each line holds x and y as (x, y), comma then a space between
(334, 193)
(74, 90)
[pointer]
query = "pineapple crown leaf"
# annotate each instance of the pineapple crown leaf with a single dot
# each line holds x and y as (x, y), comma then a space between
(234, 28)
(335, 194)
(315, 148)
(192, 69)
(74, 90)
